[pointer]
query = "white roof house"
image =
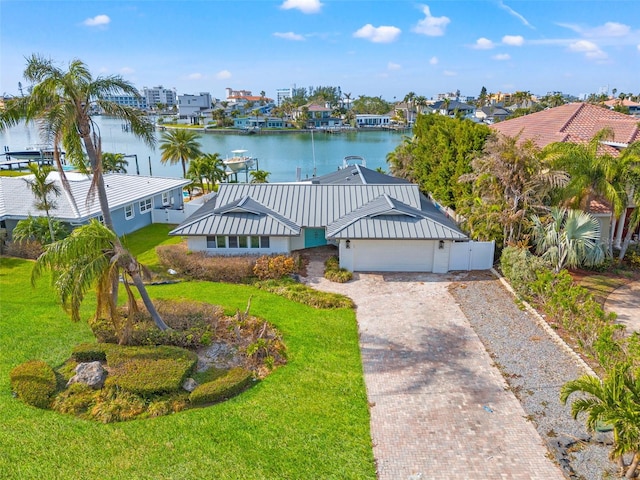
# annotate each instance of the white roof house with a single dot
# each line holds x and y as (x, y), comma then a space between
(131, 198)
(378, 227)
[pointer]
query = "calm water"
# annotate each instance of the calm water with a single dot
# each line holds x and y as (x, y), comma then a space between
(279, 154)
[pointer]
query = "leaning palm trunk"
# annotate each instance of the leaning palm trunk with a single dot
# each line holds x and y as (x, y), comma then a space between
(131, 266)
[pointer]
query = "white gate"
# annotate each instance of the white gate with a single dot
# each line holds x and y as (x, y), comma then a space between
(471, 255)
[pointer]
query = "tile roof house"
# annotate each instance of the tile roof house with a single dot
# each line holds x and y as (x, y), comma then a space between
(133, 200)
(387, 225)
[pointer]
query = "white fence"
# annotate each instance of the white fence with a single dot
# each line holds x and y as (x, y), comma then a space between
(471, 255)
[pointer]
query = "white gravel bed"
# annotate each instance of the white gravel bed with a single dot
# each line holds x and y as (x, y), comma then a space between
(535, 367)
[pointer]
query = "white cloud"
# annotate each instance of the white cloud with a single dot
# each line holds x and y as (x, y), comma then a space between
(430, 25)
(590, 49)
(223, 74)
(513, 40)
(97, 21)
(483, 44)
(449, 73)
(195, 76)
(515, 14)
(502, 56)
(610, 29)
(382, 34)
(126, 70)
(289, 36)
(305, 6)
(639, 47)
(393, 66)
(434, 60)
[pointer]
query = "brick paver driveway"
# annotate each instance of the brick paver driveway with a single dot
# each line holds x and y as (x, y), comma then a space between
(439, 406)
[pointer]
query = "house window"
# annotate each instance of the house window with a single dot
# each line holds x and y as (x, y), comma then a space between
(218, 241)
(165, 199)
(129, 211)
(211, 242)
(264, 242)
(233, 242)
(145, 205)
(243, 242)
(255, 242)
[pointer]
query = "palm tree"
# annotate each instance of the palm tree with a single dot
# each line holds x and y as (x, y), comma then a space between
(215, 171)
(114, 163)
(259, 176)
(90, 258)
(196, 172)
(571, 238)
(180, 145)
(63, 102)
(408, 99)
(615, 401)
(42, 190)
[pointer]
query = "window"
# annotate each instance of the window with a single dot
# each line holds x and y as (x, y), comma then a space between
(243, 242)
(165, 199)
(211, 242)
(233, 242)
(255, 242)
(145, 205)
(264, 242)
(218, 241)
(129, 212)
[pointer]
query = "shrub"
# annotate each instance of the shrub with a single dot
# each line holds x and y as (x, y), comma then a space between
(520, 267)
(274, 266)
(103, 329)
(115, 405)
(334, 273)
(200, 266)
(304, 294)
(89, 352)
(117, 354)
(76, 400)
(233, 383)
(150, 377)
(34, 383)
(29, 249)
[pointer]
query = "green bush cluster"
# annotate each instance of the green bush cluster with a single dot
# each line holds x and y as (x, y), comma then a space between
(90, 352)
(200, 266)
(334, 273)
(227, 386)
(145, 376)
(34, 382)
(301, 293)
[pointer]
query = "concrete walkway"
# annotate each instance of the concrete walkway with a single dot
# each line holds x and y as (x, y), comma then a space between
(439, 406)
(625, 302)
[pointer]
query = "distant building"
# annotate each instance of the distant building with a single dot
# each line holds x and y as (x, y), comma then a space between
(129, 101)
(190, 106)
(282, 94)
(160, 95)
(371, 120)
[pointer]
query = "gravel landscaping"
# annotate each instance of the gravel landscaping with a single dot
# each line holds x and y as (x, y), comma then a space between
(535, 367)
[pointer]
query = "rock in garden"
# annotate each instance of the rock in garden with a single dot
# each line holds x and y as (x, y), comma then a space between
(91, 374)
(189, 385)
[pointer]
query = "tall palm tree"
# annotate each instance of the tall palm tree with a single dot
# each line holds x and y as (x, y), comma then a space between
(259, 176)
(114, 163)
(571, 238)
(63, 100)
(614, 401)
(215, 171)
(42, 189)
(180, 145)
(630, 164)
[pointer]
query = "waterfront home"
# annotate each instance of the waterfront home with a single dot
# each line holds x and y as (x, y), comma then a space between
(378, 222)
(135, 201)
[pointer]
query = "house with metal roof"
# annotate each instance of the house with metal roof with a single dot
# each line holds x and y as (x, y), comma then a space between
(135, 201)
(387, 225)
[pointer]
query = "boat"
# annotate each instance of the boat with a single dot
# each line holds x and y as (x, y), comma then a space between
(37, 154)
(239, 161)
(350, 160)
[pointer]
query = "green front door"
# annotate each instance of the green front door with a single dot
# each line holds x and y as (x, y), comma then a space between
(314, 237)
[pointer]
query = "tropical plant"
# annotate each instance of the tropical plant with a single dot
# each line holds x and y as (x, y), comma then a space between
(62, 101)
(207, 170)
(114, 163)
(180, 145)
(615, 402)
(90, 258)
(630, 163)
(570, 238)
(42, 189)
(39, 229)
(259, 176)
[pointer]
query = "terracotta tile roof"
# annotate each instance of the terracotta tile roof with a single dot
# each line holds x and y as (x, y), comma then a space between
(573, 122)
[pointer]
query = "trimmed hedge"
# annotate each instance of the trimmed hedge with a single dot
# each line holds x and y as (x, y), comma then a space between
(117, 354)
(90, 352)
(334, 273)
(234, 382)
(34, 383)
(150, 377)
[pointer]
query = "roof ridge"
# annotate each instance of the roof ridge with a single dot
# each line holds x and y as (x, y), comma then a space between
(572, 117)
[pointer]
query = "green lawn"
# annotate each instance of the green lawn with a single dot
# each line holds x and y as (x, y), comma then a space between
(307, 420)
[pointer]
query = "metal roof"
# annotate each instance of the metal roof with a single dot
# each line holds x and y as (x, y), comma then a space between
(357, 174)
(17, 200)
(379, 211)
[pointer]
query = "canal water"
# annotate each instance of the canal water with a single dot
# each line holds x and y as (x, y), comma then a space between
(282, 155)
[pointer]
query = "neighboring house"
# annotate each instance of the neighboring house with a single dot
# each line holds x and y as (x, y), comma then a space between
(135, 201)
(194, 106)
(318, 116)
(364, 120)
(452, 107)
(634, 107)
(492, 114)
(387, 225)
(578, 123)
(260, 122)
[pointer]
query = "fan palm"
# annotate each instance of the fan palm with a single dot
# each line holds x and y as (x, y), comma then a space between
(180, 145)
(615, 401)
(62, 101)
(571, 238)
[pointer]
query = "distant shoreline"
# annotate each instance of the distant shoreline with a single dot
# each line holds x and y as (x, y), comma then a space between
(235, 131)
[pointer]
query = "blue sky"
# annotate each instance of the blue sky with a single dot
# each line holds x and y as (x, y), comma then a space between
(367, 47)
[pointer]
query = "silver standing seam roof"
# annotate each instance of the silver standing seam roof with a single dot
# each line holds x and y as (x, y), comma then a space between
(380, 211)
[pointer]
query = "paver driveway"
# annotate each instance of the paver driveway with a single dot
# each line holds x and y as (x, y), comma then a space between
(439, 406)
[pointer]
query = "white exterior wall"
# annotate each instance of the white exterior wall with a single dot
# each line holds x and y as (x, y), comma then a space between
(393, 256)
(277, 245)
(297, 243)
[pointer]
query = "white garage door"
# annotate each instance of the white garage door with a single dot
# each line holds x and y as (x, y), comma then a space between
(393, 255)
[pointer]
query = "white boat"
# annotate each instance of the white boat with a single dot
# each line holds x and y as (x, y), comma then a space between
(32, 153)
(239, 161)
